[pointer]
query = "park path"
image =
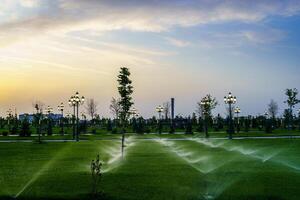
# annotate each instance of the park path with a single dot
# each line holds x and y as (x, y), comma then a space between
(151, 139)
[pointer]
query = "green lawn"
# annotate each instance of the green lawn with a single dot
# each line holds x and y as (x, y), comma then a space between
(153, 169)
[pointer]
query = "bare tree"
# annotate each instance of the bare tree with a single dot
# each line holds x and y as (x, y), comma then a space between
(115, 107)
(273, 108)
(167, 108)
(91, 107)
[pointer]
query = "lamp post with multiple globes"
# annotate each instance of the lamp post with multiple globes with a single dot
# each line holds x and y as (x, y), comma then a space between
(237, 111)
(230, 100)
(61, 120)
(159, 110)
(75, 101)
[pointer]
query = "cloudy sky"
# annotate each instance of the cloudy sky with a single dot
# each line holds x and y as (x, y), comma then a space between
(181, 48)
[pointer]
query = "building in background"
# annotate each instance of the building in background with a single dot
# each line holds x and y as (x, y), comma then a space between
(30, 117)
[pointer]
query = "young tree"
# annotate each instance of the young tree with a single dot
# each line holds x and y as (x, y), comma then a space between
(291, 102)
(273, 109)
(96, 172)
(91, 108)
(125, 90)
(115, 107)
(206, 105)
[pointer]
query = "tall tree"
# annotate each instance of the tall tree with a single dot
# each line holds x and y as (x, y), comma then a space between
(273, 109)
(91, 108)
(115, 107)
(291, 102)
(125, 90)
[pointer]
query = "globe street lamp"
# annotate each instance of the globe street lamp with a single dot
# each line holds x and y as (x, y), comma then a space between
(49, 111)
(72, 103)
(230, 100)
(237, 111)
(76, 101)
(159, 110)
(61, 109)
(83, 115)
(205, 103)
(133, 112)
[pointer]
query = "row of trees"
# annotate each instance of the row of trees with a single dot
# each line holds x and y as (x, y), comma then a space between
(124, 120)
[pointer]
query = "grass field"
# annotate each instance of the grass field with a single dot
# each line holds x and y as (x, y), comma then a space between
(153, 169)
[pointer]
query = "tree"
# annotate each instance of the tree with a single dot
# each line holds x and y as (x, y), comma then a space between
(91, 108)
(115, 107)
(273, 109)
(125, 90)
(96, 172)
(291, 102)
(25, 128)
(206, 105)
(38, 116)
(166, 109)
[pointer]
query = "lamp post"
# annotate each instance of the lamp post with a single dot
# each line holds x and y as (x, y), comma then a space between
(83, 115)
(76, 101)
(133, 112)
(237, 111)
(205, 103)
(72, 104)
(49, 111)
(61, 120)
(159, 110)
(230, 100)
(299, 118)
(9, 115)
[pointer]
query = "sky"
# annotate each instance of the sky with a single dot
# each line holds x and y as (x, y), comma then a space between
(185, 49)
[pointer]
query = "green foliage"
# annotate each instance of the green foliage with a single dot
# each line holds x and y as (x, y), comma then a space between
(125, 90)
(207, 104)
(291, 97)
(189, 127)
(96, 173)
(49, 127)
(25, 128)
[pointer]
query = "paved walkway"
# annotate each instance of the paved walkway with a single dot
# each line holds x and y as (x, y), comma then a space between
(156, 138)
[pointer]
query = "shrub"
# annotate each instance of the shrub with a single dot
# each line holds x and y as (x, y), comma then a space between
(114, 131)
(5, 133)
(96, 175)
(25, 128)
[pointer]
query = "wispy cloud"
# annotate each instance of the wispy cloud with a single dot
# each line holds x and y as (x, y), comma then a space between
(265, 36)
(177, 42)
(74, 15)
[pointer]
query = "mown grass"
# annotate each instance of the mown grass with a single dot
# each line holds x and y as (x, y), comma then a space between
(153, 169)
